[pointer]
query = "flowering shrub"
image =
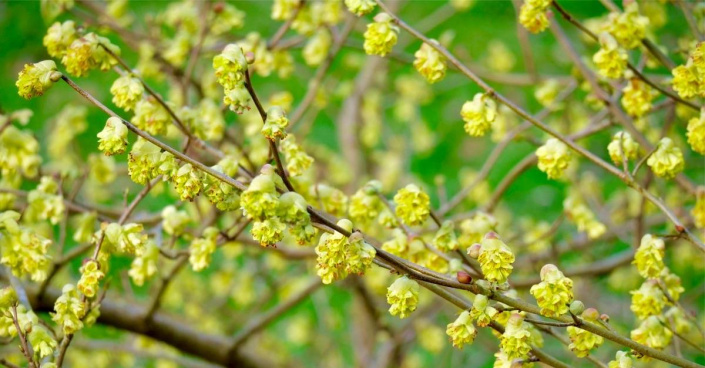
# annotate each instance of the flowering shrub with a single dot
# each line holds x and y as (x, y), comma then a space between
(224, 193)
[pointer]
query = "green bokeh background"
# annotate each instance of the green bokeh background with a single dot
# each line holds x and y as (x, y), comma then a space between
(22, 30)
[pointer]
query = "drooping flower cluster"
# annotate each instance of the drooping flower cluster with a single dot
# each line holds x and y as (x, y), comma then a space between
(582, 341)
(381, 35)
(275, 125)
(403, 297)
(611, 60)
(297, 160)
(89, 52)
(360, 7)
(129, 238)
(648, 300)
(36, 78)
(430, 63)
(69, 310)
(23, 250)
(201, 249)
(533, 15)
(689, 78)
(515, 339)
(580, 214)
(90, 277)
(187, 182)
(649, 257)
(554, 158)
(224, 196)
(19, 153)
(339, 256)
(481, 311)
(461, 331)
(112, 140)
(445, 239)
(473, 229)
(365, 205)
(667, 161)
(637, 97)
(151, 116)
(127, 91)
(623, 146)
(495, 258)
(144, 266)
(293, 211)
(652, 333)
(44, 202)
(554, 293)
(59, 37)
(628, 27)
(479, 114)
(316, 49)
(621, 360)
(412, 205)
(696, 133)
(42, 341)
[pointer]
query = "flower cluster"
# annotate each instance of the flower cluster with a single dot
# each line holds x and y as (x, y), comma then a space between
(112, 140)
(554, 293)
(223, 195)
(151, 116)
(90, 277)
(554, 158)
(637, 97)
(473, 229)
(412, 205)
(144, 266)
(275, 125)
(403, 297)
(445, 239)
(430, 63)
(689, 78)
(381, 35)
(621, 360)
(127, 91)
(495, 258)
(365, 205)
(479, 114)
(360, 7)
(339, 256)
(59, 37)
(36, 78)
(293, 210)
(481, 311)
(582, 341)
(461, 331)
(580, 214)
(42, 341)
(515, 339)
(649, 257)
(23, 250)
(89, 52)
(648, 300)
(44, 202)
(667, 161)
(533, 15)
(623, 147)
(696, 133)
(297, 160)
(129, 238)
(187, 182)
(69, 310)
(652, 333)
(611, 60)
(629, 27)
(201, 249)
(316, 49)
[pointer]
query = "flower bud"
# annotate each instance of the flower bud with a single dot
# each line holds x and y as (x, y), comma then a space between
(591, 314)
(8, 297)
(577, 307)
(474, 250)
(464, 277)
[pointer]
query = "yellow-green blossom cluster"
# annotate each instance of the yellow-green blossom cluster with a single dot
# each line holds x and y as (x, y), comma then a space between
(461, 331)
(36, 78)
(69, 310)
(637, 97)
(412, 205)
(667, 161)
(381, 35)
(473, 229)
(297, 160)
(621, 360)
(622, 146)
(365, 205)
(554, 158)
(579, 213)
(611, 60)
(554, 293)
(223, 195)
(41, 341)
(174, 222)
(59, 37)
(696, 133)
(649, 257)
(481, 311)
(144, 266)
(445, 239)
(628, 27)
(127, 90)
(648, 300)
(151, 116)
(89, 52)
(112, 140)
(144, 161)
(129, 238)
(316, 48)
(652, 333)
(403, 297)
(581, 341)
(19, 153)
(515, 340)
(201, 249)
(275, 125)
(90, 277)
(339, 256)
(532, 15)
(479, 114)
(44, 202)
(495, 258)
(360, 7)
(293, 210)
(334, 201)
(689, 78)
(430, 63)
(23, 250)
(187, 182)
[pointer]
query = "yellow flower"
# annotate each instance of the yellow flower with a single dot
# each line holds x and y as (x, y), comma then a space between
(202, 249)
(473, 229)
(623, 143)
(461, 331)
(151, 116)
(515, 339)
(698, 211)
(126, 91)
(187, 182)
(478, 114)
(275, 125)
(652, 333)
(69, 309)
(143, 161)
(174, 222)
(611, 60)
(581, 341)
(381, 35)
(112, 139)
(554, 158)
(238, 98)
(360, 7)
(88, 52)
(145, 266)
(293, 210)
(230, 66)
(260, 200)
(579, 213)
(297, 160)
(430, 63)
(59, 37)
(481, 311)
(554, 293)
(688, 80)
(42, 341)
(621, 360)
(23, 250)
(648, 300)
(412, 205)
(672, 284)
(284, 9)
(667, 161)
(90, 277)
(495, 259)
(269, 231)
(316, 49)
(649, 257)
(696, 132)
(637, 97)
(629, 27)
(533, 18)
(445, 239)
(334, 201)
(36, 78)
(403, 297)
